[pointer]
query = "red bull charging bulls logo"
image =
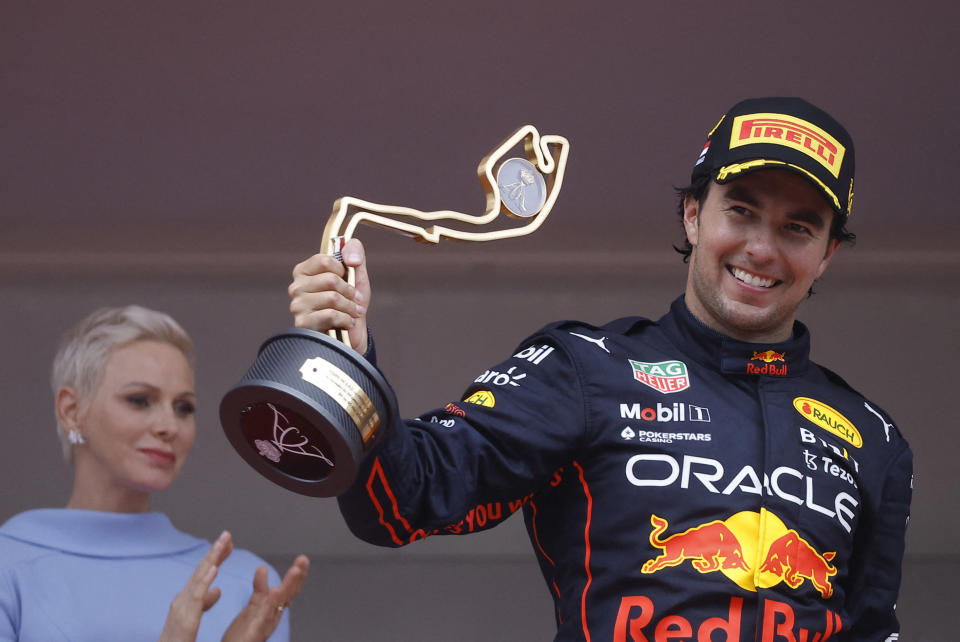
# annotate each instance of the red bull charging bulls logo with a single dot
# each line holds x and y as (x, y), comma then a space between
(734, 546)
(710, 546)
(769, 356)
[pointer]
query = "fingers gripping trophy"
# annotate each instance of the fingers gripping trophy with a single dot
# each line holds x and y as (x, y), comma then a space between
(310, 408)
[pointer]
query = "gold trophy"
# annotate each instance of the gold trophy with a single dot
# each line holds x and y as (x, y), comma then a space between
(310, 408)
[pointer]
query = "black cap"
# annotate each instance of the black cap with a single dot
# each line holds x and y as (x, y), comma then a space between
(782, 133)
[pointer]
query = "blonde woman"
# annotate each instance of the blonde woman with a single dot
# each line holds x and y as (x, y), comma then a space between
(106, 567)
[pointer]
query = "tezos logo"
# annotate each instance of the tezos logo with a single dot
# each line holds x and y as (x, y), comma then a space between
(664, 376)
(828, 419)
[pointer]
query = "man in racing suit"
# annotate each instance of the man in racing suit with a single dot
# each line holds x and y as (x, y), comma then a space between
(692, 478)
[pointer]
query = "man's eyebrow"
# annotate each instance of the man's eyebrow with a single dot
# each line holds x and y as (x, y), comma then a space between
(745, 195)
(810, 217)
(741, 193)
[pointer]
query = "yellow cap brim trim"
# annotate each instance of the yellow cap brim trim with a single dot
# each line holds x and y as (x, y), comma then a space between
(730, 170)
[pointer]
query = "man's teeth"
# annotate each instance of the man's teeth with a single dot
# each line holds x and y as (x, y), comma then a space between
(750, 279)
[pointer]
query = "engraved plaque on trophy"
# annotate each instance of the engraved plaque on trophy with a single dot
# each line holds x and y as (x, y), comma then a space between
(310, 408)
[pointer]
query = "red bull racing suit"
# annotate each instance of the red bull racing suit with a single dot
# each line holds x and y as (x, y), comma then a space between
(676, 484)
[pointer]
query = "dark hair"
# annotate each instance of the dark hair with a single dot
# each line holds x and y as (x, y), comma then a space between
(699, 188)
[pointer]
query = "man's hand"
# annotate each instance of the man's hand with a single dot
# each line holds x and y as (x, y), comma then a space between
(322, 300)
(196, 598)
(260, 617)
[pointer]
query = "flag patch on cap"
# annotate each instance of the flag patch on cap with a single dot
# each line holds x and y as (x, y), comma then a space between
(703, 154)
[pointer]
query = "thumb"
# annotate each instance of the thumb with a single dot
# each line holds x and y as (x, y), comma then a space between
(354, 256)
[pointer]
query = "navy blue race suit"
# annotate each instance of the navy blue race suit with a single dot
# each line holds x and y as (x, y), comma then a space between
(676, 484)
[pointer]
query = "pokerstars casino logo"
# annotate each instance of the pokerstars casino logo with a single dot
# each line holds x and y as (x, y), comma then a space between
(829, 419)
(792, 132)
(663, 376)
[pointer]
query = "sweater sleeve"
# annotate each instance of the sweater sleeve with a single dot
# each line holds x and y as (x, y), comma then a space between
(468, 465)
(880, 555)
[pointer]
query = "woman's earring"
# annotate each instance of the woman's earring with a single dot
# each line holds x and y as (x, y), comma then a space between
(75, 437)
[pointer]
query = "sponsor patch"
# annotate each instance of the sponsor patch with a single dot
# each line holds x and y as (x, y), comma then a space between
(599, 342)
(534, 354)
(654, 437)
(769, 356)
(482, 398)
(511, 377)
(829, 419)
(455, 410)
(886, 424)
(731, 547)
(789, 131)
(662, 413)
(663, 376)
(652, 469)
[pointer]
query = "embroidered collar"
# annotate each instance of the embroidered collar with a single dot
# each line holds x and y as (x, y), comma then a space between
(717, 351)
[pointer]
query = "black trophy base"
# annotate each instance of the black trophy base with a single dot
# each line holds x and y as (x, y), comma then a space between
(307, 412)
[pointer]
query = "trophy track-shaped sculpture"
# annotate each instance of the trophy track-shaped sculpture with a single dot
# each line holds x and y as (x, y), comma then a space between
(310, 408)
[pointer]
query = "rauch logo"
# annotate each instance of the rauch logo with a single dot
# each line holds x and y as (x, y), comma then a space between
(828, 419)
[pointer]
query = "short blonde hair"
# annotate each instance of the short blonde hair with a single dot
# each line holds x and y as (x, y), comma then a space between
(85, 347)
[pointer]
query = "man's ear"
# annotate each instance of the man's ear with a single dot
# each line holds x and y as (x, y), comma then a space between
(832, 246)
(68, 408)
(691, 218)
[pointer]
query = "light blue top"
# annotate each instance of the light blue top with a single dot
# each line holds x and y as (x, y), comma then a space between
(88, 575)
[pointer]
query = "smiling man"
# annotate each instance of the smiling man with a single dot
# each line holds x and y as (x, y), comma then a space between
(691, 478)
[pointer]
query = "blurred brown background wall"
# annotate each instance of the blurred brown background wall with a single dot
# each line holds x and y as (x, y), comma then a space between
(186, 155)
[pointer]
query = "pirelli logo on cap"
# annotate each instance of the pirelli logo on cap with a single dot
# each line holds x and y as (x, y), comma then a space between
(789, 131)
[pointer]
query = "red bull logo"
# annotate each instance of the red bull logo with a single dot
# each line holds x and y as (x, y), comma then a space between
(710, 547)
(769, 367)
(725, 546)
(638, 620)
(769, 356)
(793, 558)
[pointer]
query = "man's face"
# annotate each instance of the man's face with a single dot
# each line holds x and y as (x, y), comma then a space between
(759, 242)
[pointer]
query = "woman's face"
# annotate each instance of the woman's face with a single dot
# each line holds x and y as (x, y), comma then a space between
(139, 424)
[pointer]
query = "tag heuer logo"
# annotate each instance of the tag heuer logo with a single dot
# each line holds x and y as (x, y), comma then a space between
(665, 376)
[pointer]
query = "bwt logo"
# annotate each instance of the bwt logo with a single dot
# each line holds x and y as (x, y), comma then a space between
(664, 413)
